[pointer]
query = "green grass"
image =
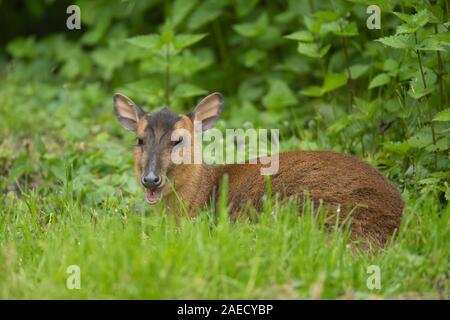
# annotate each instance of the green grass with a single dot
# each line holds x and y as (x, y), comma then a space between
(127, 254)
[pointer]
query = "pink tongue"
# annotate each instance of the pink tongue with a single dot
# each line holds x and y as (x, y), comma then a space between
(153, 196)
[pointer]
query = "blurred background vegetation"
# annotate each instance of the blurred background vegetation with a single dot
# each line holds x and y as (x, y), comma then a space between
(310, 68)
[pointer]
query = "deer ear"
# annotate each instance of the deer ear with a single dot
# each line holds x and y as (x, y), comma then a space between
(127, 112)
(208, 110)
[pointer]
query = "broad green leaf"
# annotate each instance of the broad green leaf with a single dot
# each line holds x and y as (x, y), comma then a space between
(414, 22)
(329, 27)
(367, 108)
(443, 38)
(429, 44)
(421, 139)
(358, 70)
(98, 30)
(23, 47)
(167, 36)
(244, 7)
(313, 25)
(312, 49)
(334, 81)
(187, 90)
(21, 166)
(340, 125)
(279, 96)
(347, 30)
(405, 17)
(151, 87)
(444, 115)
(406, 28)
(180, 9)
(313, 91)
(253, 56)
(390, 65)
(402, 148)
(419, 19)
(380, 80)
(417, 88)
(150, 41)
(441, 145)
(326, 15)
(302, 35)
(324, 50)
(206, 12)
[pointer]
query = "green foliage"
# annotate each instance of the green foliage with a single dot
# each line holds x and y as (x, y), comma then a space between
(310, 68)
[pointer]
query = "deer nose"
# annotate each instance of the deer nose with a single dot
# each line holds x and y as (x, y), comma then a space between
(151, 180)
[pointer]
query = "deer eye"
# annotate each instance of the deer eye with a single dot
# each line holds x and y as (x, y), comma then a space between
(140, 142)
(180, 139)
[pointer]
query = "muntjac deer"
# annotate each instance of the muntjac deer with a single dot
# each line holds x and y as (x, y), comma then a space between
(340, 182)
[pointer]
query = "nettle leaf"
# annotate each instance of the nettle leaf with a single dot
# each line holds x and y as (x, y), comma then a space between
(417, 88)
(150, 87)
(279, 96)
(391, 67)
(313, 25)
(406, 28)
(329, 27)
(167, 36)
(23, 47)
(408, 18)
(399, 41)
(443, 38)
(334, 81)
(407, 71)
(401, 148)
(340, 125)
(244, 7)
(98, 30)
(252, 57)
(444, 115)
(347, 29)
(441, 145)
(185, 40)
(150, 41)
(417, 20)
(380, 80)
(326, 15)
(187, 90)
(313, 91)
(252, 29)
(367, 108)
(358, 70)
(180, 9)
(312, 50)
(421, 139)
(206, 12)
(303, 35)
(429, 44)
